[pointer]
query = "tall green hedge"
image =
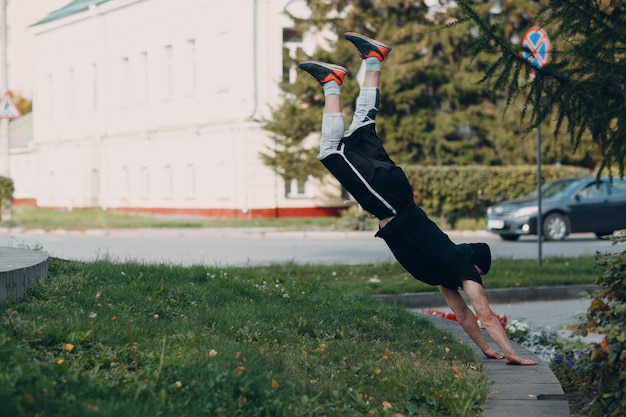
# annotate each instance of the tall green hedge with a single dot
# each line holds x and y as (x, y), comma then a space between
(456, 192)
(6, 194)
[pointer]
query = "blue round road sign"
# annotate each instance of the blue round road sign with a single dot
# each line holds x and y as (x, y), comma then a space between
(537, 41)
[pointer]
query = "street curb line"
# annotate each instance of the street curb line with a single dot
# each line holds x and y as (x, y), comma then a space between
(497, 295)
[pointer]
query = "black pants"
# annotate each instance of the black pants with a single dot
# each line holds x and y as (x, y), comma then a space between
(364, 168)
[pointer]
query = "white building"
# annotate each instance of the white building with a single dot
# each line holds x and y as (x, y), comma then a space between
(148, 105)
(21, 14)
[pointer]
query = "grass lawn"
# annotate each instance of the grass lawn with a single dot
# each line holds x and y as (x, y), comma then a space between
(390, 277)
(128, 339)
(81, 219)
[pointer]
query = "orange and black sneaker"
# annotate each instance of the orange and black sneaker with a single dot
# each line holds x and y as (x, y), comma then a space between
(368, 47)
(324, 72)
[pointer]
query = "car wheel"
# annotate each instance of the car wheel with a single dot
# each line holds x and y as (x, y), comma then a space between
(555, 227)
(509, 237)
(601, 235)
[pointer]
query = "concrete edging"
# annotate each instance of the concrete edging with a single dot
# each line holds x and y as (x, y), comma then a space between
(498, 295)
(19, 269)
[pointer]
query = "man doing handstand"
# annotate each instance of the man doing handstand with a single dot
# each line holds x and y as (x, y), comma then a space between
(358, 160)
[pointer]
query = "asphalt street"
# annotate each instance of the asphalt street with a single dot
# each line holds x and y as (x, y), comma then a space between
(238, 247)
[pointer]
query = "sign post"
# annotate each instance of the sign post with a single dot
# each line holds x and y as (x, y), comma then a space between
(537, 54)
(5, 209)
(8, 110)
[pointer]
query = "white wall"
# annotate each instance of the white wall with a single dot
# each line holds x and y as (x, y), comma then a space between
(134, 98)
(21, 14)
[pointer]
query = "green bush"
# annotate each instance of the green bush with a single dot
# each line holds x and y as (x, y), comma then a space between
(456, 192)
(6, 194)
(355, 218)
(599, 369)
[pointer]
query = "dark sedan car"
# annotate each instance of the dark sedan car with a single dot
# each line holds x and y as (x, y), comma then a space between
(574, 205)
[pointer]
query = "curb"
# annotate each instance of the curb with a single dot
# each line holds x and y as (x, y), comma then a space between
(497, 295)
(19, 269)
(249, 232)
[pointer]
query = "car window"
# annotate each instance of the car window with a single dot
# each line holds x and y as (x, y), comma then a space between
(618, 187)
(552, 188)
(593, 190)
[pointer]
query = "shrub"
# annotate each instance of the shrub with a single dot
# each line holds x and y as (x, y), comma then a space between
(6, 193)
(599, 369)
(456, 192)
(355, 218)
(540, 340)
(570, 365)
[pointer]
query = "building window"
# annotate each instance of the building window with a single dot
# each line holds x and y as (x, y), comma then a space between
(189, 80)
(125, 183)
(190, 181)
(50, 82)
(292, 41)
(52, 185)
(296, 188)
(124, 82)
(144, 184)
(94, 87)
(95, 187)
(71, 92)
(168, 68)
(168, 182)
(344, 193)
(144, 83)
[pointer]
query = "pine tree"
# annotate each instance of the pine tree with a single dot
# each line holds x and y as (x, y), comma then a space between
(433, 109)
(584, 84)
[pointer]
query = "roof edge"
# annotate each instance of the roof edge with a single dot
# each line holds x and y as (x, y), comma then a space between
(74, 7)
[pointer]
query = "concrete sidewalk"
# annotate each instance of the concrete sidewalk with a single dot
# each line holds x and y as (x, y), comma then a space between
(517, 391)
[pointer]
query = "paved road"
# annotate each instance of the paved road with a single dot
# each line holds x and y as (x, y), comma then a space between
(263, 246)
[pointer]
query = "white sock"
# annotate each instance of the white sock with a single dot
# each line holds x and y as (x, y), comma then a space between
(372, 64)
(331, 87)
(332, 132)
